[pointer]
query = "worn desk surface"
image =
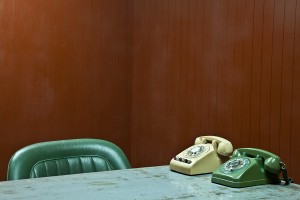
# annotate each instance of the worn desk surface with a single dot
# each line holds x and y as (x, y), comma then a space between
(140, 183)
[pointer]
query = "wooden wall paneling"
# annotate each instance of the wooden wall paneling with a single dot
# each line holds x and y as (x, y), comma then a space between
(137, 44)
(151, 92)
(221, 69)
(58, 85)
(159, 68)
(198, 55)
(256, 73)
(235, 74)
(287, 81)
(149, 98)
(213, 68)
(124, 66)
(295, 125)
(205, 84)
(139, 32)
(49, 64)
(238, 68)
(88, 84)
(168, 9)
(106, 50)
(176, 73)
(275, 110)
(182, 67)
(18, 112)
(106, 77)
(185, 71)
(174, 124)
(70, 76)
(158, 81)
(24, 117)
(117, 74)
(246, 81)
(266, 69)
(162, 82)
(229, 81)
(98, 101)
(191, 130)
(17, 52)
(174, 32)
(63, 72)
(119, 111)
(7, 86)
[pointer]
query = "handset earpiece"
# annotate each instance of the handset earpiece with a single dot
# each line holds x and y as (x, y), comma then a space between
(221, 145)
(272, 165)
(225, 148)
(200, 140)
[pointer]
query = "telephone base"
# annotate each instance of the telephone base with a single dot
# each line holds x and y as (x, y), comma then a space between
(188, 170)
(240, 184)
(188, 173)
(242, 171)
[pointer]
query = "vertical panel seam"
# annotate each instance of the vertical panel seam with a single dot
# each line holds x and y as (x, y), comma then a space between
(261, 74)
(293, 70)
(281, 65)
(271, 72)
(251, 76)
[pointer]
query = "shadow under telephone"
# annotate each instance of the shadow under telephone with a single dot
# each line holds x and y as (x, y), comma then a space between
(206, 155)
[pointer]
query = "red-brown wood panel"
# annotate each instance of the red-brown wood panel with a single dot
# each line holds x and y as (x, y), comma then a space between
(198, 59)
(246, 82)
(229, 82)
(174, 31)
(221, 67)
(266, 69)
(256, 72)
(184, 68)
(287, 81)
(63, 72)
(231, 70)
(238, 66)
(190, 71)
(205, 65)
(212, 67)
(295, 106)
(276, 76)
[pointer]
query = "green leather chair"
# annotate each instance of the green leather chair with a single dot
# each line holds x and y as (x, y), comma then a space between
(66, 157)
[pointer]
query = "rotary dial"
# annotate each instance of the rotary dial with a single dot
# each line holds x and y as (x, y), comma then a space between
(196, 151)
(235, 164)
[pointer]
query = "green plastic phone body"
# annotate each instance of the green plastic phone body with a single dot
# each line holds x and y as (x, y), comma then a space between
(248, 167)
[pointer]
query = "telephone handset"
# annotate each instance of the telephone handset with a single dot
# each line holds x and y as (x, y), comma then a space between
(249, 167)
(207, 154)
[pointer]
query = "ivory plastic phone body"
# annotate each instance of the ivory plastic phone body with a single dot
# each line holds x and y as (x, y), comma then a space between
(206, 155)
(248, 167)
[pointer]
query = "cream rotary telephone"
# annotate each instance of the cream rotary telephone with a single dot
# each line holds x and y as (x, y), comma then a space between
(206, 155)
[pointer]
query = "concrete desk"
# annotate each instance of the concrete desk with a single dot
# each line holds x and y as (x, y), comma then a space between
(151, 183)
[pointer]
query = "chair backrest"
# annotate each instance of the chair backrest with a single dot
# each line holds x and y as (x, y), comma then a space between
(66, 157)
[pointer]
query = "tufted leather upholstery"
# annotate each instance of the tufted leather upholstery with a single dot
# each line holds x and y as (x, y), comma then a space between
(66, 157)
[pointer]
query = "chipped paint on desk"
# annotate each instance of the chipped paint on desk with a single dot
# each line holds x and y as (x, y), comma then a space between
(141, 183)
